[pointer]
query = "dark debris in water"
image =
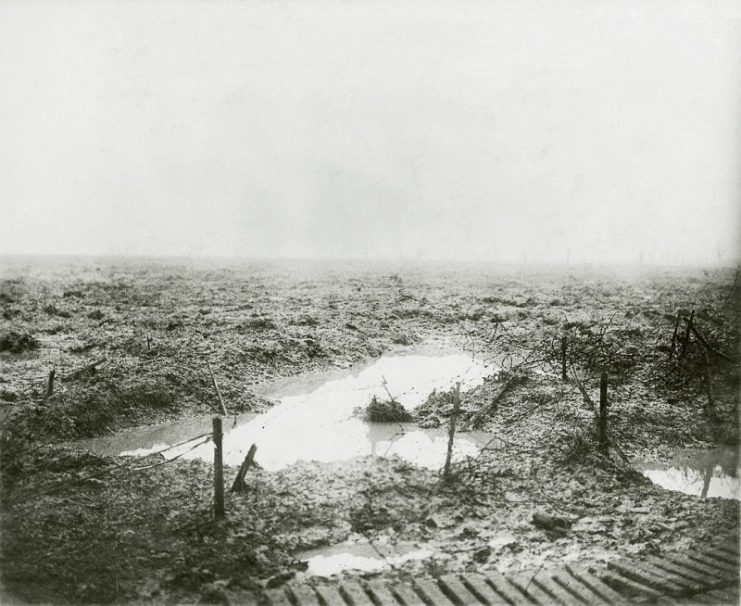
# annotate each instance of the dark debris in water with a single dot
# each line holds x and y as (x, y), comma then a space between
(386, 411)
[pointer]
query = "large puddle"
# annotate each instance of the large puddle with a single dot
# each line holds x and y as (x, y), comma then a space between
(702, 473)
(366, 557)
(359, 556)
(314, 418)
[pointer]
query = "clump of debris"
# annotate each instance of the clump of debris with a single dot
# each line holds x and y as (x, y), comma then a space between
(386, 411)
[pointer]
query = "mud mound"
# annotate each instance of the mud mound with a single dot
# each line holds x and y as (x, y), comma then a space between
(16, 342)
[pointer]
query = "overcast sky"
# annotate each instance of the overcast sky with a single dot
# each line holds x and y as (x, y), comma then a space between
(493, 130)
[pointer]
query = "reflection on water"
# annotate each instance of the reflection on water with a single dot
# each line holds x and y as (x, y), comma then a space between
(359, 556)
(314, 418)
(702, 473)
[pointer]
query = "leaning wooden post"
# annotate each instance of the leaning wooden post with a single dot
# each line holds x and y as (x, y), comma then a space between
(564, 344)
(239, 485)
(218, 470)
(50, 385)
(603, 410)
(451, 434)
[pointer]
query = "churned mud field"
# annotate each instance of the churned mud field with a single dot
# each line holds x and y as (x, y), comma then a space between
(343, 376)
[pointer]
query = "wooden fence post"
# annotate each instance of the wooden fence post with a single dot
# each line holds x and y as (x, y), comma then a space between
(218, 469)
(50, 385)
(603, 410)
(673, 348)
(218, 391)
(564, 344)
(687, 333)
(451, 434)
(709, 381)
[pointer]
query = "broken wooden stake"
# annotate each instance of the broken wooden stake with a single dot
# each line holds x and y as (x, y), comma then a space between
(603, 410)
(601, 414)
(451, 434)
(385, 386)
(50, 385)
(249, 460)
(218, 469)
(709, 381)
(686, 341)
(673, 348)
(564, 344)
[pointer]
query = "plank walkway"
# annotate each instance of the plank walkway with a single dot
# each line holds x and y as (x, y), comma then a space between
(704, 575)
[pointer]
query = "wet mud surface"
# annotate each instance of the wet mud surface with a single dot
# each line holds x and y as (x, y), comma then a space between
(131, 347)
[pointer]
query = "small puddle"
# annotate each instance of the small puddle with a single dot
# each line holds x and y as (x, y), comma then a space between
(314, 418)
(359, 556)
(702, 473)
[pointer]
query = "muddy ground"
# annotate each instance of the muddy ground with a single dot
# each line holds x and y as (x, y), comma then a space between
(131, 343)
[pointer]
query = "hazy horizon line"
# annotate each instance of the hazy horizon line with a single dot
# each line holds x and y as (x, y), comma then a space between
(691, 264)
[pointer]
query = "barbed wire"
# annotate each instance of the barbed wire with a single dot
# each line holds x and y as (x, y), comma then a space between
(170, 460)
(60, 485)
